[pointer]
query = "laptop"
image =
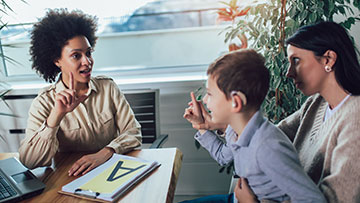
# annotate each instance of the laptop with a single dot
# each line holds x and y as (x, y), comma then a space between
(17, 182)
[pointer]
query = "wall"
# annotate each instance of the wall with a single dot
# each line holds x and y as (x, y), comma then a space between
(137, 50)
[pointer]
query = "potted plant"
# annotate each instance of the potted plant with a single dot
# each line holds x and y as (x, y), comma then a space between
(4, 88)
(265, 26)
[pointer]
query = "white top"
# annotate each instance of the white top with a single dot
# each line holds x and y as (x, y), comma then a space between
(330, 112)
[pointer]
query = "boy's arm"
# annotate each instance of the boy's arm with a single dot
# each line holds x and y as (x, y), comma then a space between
(216, 147)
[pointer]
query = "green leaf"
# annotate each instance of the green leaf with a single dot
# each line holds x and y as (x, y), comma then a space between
(277, 33)
(293, 11)
(300, 6)
(263, 39)
(274, 21)
(356, 3)
(312, 17)
(263, 13)
(303, 15)
(342, 10)
(289, 23)
(8, 114)
(331, 6)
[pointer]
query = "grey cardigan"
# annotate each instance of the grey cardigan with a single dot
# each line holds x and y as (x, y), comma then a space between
(329, 151)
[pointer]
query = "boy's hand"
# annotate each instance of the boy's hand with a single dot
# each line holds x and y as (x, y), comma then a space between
(197, 115)
(193, 113)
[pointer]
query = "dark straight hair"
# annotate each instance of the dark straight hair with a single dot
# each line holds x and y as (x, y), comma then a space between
(324, 36)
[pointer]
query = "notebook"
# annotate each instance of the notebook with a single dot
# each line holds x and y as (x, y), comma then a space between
(17, 182)
(111, 180)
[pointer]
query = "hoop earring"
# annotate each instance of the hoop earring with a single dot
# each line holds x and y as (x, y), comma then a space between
(328, 69)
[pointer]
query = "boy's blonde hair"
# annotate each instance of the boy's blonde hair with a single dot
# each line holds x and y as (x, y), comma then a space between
(244, 71)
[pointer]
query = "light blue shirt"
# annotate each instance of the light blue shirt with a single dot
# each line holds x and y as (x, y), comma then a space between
(266, 158)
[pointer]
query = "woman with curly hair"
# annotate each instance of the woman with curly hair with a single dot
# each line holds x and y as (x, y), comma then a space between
(78, 112)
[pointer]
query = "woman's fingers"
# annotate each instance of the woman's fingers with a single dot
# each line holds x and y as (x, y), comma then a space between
(74, 168)
(68, 95)
(63, 99)
(81, 99)
(71, 81)
(91, 167)
(69, 99)
(82, 168)
(79, 166)
(71, 86)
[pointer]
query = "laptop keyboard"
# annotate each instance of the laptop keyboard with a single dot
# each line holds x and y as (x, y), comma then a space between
(6, 190)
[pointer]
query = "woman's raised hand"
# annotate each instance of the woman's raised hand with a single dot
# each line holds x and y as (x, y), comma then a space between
(65, 101)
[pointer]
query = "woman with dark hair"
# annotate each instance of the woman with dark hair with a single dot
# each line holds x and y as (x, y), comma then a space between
(78, 112)
(326, 130)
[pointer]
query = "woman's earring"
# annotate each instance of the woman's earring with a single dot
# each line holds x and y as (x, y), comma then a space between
(328, 69)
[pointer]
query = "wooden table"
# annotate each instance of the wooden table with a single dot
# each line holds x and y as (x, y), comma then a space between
(158, 187)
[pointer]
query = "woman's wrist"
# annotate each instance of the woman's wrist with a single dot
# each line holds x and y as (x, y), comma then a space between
(107, 152)
(54, 118)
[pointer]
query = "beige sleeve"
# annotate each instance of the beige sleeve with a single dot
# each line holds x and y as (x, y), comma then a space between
(129, 128)
(290, 124)
(40, 143)
(341, 182)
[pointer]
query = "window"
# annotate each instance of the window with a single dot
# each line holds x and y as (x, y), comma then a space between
(133, 34)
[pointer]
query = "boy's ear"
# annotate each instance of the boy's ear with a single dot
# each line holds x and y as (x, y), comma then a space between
(236, 103)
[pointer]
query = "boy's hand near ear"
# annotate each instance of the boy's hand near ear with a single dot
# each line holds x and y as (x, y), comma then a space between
(198, 116)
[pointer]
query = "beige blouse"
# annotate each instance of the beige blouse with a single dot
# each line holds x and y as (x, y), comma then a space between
(103, 119)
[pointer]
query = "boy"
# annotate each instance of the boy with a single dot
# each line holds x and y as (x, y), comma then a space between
(236, 87)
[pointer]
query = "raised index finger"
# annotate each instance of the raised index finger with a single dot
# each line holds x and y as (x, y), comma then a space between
(194, 101)
(193, 98)
(71, 81)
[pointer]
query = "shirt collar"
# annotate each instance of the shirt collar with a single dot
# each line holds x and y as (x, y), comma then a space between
(250, 129)
(93, 86)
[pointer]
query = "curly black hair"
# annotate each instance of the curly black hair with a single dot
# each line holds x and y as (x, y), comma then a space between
(51, 34)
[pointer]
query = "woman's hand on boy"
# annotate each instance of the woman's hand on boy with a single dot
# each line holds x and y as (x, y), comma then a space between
(243, 192)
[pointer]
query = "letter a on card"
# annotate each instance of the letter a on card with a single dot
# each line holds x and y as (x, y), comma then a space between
(114, 176)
